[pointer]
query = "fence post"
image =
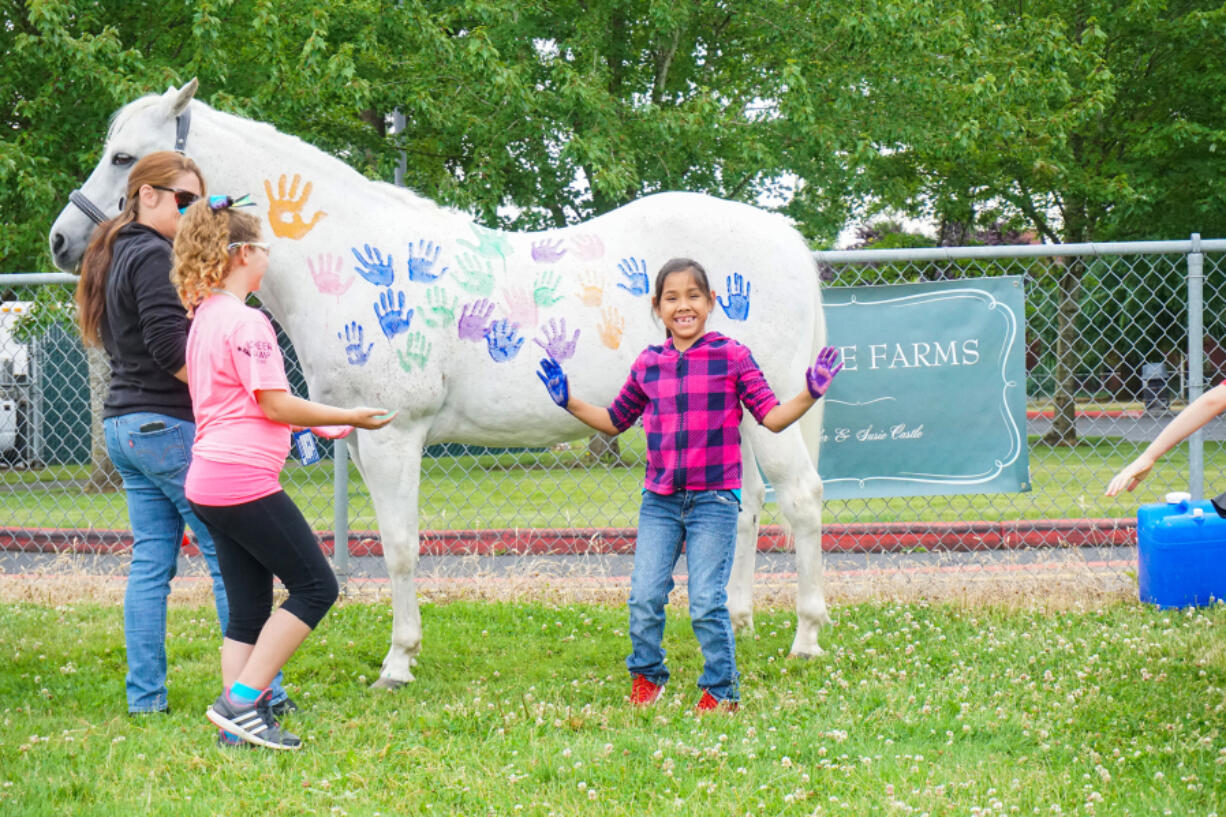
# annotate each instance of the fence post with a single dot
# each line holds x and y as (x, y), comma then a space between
(340, 507)
(1196, 366)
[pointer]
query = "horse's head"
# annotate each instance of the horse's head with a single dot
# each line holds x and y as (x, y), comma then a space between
(149, 124)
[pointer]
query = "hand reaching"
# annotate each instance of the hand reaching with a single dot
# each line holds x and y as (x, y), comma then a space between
(554, 378)
(1131, 476)
(819, 376)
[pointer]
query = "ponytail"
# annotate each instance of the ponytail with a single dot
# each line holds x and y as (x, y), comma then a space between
(161, 169)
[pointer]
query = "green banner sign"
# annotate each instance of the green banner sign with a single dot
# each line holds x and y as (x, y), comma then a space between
(932, 397)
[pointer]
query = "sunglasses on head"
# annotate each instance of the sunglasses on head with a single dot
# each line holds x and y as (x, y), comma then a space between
(183, 198)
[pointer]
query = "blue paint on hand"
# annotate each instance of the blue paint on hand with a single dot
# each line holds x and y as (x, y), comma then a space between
(555, 381)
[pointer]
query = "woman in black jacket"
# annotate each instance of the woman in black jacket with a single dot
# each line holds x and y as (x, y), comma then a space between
(126, 303)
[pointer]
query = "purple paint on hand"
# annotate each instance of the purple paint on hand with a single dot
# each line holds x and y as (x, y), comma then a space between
(819, 376)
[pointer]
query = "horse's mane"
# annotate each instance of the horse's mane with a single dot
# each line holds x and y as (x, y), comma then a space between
(263, 129)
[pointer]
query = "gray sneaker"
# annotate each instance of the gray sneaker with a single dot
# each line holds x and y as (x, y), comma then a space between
(253, 723)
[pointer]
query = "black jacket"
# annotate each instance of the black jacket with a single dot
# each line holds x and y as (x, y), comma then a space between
(144, 329)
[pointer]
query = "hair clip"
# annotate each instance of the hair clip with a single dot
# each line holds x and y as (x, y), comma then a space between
(224, 202)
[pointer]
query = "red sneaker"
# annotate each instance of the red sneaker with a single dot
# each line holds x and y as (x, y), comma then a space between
(644, 692)
(709, 703)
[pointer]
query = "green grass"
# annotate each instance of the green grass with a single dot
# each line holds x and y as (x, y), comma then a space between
(559, 489)
(519, 709)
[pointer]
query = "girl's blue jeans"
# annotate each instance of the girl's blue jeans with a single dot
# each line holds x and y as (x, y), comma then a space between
(705, 522)
(153, 465)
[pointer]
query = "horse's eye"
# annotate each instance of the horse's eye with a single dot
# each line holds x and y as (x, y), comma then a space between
(122, 160)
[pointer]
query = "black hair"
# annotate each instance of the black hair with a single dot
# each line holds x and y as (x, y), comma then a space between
(679, 265)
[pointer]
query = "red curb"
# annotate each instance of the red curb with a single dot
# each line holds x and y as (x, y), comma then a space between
(1132, 414)
(883, 537)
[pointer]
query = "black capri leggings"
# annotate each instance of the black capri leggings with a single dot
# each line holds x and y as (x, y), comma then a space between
(257, 540)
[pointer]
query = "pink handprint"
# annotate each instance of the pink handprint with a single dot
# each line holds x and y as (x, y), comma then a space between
(327, 276)
(589, 247)
(521, 308)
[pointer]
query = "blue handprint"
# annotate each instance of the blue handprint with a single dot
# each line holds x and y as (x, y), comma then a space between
(421, 262)
(373, 268)
(353, 344)
(503, 341)
(635, 271)
(737, 308)
(393, 316)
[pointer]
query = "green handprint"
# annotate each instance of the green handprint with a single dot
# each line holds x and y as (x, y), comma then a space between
(439, 312)
(544, 293)
(490, 243)
(476, 276)
(415, 353)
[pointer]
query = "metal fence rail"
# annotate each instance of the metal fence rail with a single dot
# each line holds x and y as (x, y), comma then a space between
(1118, 336)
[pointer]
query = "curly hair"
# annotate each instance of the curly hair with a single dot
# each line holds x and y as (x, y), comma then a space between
(201, 258)
(160, 168)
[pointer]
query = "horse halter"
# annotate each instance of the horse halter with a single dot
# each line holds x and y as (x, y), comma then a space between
(183, 124)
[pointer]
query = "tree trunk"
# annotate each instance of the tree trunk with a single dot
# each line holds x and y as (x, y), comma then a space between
(604, 448)
(103, 478)
(1064, 424)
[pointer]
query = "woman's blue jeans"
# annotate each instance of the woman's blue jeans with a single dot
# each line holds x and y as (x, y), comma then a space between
(705, 521)
(153, 465)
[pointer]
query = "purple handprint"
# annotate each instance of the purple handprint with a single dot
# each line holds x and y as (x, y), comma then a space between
(503, 340)
(373, 268)
(546, 251)
(555, 344)
(421, 263)
(635, 271)
(473, 318)
(737, 308)
(353, 344)
(393, 316)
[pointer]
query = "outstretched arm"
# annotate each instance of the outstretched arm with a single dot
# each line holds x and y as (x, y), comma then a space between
(1199, 412)
(818, 378)
(555, 381)
(283, 407)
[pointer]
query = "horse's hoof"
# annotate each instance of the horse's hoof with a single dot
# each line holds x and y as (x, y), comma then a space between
(390, 684)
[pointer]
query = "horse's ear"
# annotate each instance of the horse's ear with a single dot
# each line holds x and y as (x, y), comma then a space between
(184, 97)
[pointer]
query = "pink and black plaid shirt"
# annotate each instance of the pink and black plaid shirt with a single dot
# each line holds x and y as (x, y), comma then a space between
(691, 408)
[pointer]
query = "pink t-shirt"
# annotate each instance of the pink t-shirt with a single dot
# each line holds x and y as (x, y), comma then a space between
(238, 452)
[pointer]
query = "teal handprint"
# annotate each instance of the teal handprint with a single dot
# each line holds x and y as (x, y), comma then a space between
(415, 353)
(490, 243)
(545, 290)
(439, 310)
(476, 275)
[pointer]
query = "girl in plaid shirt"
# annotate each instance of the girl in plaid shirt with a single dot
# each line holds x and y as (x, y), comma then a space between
(689, 392)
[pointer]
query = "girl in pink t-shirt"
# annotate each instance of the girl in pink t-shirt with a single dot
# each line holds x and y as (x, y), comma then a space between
(244, 413)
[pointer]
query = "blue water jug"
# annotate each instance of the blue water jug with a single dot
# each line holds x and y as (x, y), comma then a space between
(1181, 552)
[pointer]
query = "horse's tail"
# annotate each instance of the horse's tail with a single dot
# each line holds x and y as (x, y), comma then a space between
(811, 422)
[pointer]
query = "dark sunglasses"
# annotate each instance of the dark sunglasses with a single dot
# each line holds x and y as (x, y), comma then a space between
(183, 198)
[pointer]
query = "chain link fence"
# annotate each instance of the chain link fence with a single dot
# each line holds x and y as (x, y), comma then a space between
(1107, 357)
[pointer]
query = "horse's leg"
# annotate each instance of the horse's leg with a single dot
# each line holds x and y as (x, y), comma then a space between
(740, 584)
(798, 490)
(390, 461)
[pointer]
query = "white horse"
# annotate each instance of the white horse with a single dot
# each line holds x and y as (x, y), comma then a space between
(391, 300)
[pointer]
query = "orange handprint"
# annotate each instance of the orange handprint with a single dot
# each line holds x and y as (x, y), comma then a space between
(611, 327)
(592, 291)
(285, 211)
